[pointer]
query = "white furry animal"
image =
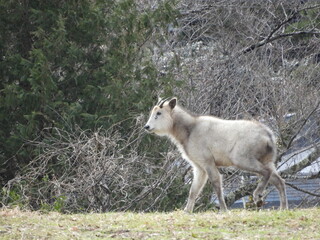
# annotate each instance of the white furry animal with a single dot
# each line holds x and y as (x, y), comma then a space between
(208, 142)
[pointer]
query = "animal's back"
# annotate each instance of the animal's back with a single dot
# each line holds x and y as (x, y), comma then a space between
(223, 141)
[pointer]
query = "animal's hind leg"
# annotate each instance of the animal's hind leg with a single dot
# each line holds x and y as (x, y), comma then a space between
(279, 183)
(256, 166)
(199, 180)
(257, 194)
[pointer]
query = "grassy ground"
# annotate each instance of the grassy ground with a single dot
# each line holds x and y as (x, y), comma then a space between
(235, 224)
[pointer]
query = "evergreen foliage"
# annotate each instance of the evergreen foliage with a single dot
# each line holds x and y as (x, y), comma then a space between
(73, 62)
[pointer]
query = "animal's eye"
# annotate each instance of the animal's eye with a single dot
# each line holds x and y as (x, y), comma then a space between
(158, 113)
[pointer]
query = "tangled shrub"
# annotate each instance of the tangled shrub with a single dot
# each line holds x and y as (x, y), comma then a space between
(93, 171)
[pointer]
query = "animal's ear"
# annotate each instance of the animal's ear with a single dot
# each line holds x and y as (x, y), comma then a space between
(173, 103)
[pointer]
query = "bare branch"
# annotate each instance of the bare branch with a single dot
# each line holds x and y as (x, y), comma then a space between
(302, 190)
(301, 165)
(303, 124)
(271, 39)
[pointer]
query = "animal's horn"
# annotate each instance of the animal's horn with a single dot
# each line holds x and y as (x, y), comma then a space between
(161, 102)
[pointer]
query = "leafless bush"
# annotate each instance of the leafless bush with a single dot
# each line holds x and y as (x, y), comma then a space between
(94, 171)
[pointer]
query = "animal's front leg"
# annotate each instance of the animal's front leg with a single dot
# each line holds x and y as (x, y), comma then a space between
(199, 180)
(216, 180)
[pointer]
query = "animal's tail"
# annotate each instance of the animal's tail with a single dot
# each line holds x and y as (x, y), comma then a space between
(271, 147)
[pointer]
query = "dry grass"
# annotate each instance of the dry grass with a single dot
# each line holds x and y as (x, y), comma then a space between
(235, 224)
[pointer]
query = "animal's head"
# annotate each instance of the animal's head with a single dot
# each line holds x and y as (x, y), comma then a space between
(160, 121)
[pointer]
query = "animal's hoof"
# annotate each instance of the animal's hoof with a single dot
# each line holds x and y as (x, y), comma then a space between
(260, 203)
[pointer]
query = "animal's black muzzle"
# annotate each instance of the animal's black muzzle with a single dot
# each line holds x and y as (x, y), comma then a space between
(147, 127)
